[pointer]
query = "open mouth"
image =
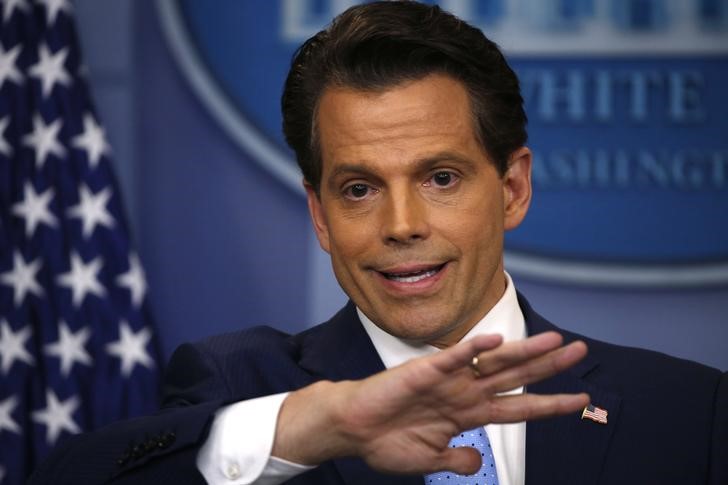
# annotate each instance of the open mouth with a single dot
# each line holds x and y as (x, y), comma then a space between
(413, 276)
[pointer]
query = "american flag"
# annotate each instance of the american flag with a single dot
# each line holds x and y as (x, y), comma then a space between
(76, 346)
(594, 413)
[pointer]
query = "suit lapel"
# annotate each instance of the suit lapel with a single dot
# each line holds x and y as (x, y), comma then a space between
(580, 443)
(342, 350)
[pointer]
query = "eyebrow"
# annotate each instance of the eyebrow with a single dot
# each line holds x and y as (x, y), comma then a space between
(421, 165)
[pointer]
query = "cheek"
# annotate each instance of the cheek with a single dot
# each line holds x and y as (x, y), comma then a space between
(470, 223)
(349, 239)
(476, 233)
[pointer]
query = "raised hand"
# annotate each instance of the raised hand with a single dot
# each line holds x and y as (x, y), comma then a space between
(401, 420)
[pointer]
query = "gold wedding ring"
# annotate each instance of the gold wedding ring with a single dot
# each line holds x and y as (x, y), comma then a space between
(474, 367)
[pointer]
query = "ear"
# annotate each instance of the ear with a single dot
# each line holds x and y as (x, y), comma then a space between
(517, 188)
(318, 218)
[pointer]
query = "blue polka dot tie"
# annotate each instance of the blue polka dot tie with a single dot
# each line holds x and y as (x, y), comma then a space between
(476, 438)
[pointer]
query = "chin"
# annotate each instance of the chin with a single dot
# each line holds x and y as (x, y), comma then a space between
(420, 326)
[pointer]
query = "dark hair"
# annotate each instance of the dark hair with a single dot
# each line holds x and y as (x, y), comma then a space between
(378, 45)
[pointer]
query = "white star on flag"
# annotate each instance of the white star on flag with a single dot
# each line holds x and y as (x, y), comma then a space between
(12, 346)
(55, 6)
(131, 348)
(92, 209)
(6, 419)
(10, 5)
(134, 280)
(70, 347)
(8, 69)
(93, 140)
(49, 69)
(83, 278)
(5, 147)
(57, 416)
(34, 209)
(44, 140)
(22, 278)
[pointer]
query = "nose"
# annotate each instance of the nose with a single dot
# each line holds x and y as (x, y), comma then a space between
(404, 217)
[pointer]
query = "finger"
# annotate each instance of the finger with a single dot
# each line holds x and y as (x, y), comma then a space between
(536, 369)
(463, 460)
(527, 407)
(461, 355)
(514, 353)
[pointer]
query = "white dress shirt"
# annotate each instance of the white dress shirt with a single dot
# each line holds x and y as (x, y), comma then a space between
(229, 457)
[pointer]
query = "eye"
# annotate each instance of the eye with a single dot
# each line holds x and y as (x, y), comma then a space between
(442, 179)
(357, 191)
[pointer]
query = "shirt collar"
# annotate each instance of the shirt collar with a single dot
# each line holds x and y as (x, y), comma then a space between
(505, 318)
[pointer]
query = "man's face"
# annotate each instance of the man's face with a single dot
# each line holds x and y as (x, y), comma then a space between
(411, 209)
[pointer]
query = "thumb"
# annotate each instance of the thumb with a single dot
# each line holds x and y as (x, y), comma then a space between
(462, 460)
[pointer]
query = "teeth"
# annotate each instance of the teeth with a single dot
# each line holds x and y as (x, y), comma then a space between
(412, 278)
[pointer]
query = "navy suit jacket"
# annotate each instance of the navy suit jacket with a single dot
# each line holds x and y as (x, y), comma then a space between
(668, 418)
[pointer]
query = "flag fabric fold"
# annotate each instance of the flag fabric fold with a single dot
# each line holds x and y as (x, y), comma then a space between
(77, 347)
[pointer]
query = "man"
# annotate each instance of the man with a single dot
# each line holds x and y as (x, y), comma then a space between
(409, 129)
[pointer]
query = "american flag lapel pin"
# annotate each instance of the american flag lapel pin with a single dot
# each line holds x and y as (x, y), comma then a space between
(598, 415)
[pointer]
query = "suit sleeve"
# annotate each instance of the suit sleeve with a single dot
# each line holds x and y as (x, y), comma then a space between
(160, 448)
(719, 448)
